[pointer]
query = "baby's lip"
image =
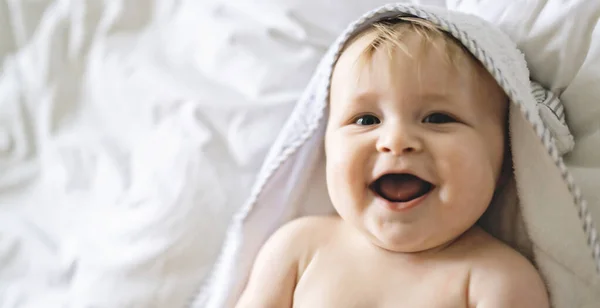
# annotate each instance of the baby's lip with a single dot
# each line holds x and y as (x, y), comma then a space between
(400, 187)
(401, 171)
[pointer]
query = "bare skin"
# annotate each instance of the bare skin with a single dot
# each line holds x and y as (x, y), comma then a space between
(378, 253)
(323, 262)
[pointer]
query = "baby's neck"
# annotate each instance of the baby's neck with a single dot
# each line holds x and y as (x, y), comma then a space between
(414, 256)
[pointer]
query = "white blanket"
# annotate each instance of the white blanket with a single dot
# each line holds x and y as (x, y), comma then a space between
(123, 154)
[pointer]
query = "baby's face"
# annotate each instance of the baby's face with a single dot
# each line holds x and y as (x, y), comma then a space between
(414, 147)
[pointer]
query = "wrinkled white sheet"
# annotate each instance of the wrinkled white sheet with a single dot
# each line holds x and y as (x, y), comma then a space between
(125, 145)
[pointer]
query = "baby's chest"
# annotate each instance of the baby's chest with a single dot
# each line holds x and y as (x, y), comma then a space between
(356, 285)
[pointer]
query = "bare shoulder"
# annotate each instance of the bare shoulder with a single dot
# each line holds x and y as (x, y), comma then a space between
(297, 239)
(501, 277)
(306, 235)
(306, 232)
(311, 224)
(281, 261)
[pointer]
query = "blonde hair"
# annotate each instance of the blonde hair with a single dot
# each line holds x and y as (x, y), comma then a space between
(390, 33)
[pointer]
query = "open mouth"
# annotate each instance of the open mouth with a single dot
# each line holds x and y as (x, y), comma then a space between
(401, 187)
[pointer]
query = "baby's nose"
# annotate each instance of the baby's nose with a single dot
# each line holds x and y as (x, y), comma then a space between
(398, 141)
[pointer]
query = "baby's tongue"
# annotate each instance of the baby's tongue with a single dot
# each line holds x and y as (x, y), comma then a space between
(400, 187)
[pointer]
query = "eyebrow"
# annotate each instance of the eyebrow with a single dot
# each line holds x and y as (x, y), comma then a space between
(364, 97)
(436, 96)
(430, 96)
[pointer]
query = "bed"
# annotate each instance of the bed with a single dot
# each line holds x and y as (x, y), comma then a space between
(132, 130)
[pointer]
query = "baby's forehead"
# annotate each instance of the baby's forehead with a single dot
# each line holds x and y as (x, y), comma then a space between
(376, 50)
(407, 53)
(407, 42)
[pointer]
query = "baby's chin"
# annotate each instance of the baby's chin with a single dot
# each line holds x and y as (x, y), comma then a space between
(404, 243)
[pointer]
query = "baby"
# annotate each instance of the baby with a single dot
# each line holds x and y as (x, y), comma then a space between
(415, 150)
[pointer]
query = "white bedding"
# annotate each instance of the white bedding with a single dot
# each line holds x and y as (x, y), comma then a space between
(123, 149)
(131, 130)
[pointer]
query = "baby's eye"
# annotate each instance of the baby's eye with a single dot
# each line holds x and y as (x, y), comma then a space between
(439, 118)
(367, 120)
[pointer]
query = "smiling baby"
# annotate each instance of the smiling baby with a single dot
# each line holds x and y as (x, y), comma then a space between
(415, 150)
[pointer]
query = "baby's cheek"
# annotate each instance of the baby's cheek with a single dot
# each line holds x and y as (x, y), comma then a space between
(336, 167)
(335, 163)
(468, 175)
(445, 195)
(345, 170)
(339, 153)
